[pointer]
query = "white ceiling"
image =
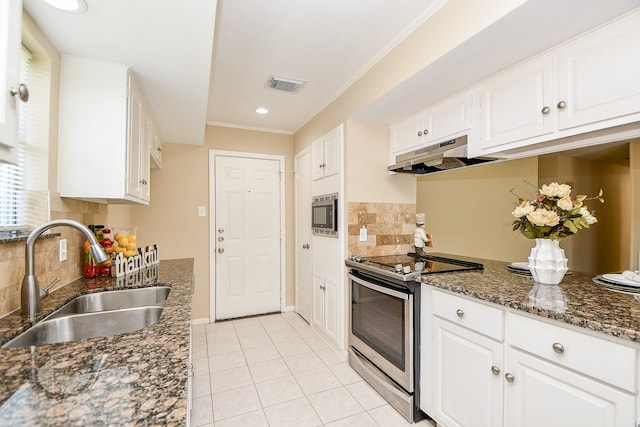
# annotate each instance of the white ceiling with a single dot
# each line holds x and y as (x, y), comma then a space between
(192, 78)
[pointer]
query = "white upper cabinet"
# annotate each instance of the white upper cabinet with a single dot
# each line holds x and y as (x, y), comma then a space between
(515, 105)
(10, 38)
(599, 76)
(155, 145)
(325, 155)
(587, 84)
(103, 152)
(448, 118)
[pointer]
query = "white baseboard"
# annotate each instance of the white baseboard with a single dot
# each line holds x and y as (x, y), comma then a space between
(289, 308)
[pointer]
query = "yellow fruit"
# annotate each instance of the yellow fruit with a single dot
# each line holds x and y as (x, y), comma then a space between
(123, 241)
(128, 254)
(118, 236)
(131, 237)
(120, 249)
(131, 246)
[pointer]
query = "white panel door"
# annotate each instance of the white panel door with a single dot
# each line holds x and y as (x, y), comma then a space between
(304, 295)
(247, 236)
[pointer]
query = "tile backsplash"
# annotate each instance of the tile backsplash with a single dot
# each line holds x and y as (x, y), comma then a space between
(390, 228)
(47, 265)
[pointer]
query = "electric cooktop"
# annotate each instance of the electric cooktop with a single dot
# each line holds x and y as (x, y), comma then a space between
(409, 266)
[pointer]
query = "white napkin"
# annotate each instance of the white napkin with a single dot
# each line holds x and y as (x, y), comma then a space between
(631, 275)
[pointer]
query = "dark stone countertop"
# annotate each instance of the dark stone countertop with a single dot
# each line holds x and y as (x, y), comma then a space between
(588, 305)
(137, 378)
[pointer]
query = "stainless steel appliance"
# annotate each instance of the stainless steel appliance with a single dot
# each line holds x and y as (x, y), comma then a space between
(451, 154)
(384, 319)
(324, 215)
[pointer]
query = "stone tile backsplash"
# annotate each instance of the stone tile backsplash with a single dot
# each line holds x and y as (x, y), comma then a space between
(47, 254)
(390, 228)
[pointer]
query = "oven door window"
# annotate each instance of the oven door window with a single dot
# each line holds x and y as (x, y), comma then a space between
(378, 320)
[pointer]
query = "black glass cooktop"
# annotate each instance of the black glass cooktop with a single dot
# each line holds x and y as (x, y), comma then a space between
(408, 266)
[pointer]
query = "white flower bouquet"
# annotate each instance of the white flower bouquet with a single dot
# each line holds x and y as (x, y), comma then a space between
(553, 214)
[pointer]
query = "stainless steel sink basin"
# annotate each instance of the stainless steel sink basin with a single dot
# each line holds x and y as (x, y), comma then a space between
(113, 300)
(75, 327)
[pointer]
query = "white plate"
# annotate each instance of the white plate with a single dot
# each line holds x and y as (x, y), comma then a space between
(520, 265)
(618, 278)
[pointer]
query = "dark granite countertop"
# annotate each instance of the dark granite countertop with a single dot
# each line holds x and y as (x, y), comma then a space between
(577, 300)
(137, 378)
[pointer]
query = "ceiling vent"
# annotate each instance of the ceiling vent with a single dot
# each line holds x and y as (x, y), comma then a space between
(285, 84)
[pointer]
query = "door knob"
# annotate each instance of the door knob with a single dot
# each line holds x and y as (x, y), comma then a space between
(220, 250)
(22, 92)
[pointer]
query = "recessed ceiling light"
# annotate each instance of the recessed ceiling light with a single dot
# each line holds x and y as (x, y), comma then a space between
(262, 110)
(71, 6)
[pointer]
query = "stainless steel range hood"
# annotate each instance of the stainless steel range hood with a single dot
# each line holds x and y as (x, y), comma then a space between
(446, 155)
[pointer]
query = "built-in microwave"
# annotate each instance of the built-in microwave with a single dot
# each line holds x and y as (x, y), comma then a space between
(324, 215)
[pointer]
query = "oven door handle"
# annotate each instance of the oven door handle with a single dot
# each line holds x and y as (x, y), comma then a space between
(378, 288)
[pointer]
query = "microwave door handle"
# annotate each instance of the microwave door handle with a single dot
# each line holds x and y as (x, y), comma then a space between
(378, 288)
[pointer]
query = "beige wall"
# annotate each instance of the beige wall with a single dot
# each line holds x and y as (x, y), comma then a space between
(605, 246)
(367, 179)
(182, 184)
(469, 210)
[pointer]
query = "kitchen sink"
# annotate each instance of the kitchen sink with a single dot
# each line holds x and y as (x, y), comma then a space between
(75, 327)
(114, 300)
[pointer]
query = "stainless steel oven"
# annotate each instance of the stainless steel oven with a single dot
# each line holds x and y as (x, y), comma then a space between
(384, 319)
(383, 338)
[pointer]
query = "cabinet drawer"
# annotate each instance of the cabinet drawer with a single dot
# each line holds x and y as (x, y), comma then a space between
(473, 315)
(597, 357)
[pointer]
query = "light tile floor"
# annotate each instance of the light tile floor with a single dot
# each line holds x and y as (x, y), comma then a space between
(275, 371)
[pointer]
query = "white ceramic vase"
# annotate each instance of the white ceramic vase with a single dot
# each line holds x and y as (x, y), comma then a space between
(547, 262)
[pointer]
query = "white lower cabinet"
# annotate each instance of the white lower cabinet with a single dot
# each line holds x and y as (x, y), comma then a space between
(484, 365)
(325, 305)
(541, 393)
(467, 393)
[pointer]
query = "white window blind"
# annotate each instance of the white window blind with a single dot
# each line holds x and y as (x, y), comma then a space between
(24, 195)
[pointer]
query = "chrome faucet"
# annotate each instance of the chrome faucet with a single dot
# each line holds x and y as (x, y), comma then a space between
(30, 293)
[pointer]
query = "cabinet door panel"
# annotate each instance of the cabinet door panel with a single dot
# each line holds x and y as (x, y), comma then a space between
(133, 147)
(404, 134)
(10, 24)
(449, 118)
(318, 300)
(331, 307)
(467, 393)
(512, 105)
(543, 394)
(599, 75)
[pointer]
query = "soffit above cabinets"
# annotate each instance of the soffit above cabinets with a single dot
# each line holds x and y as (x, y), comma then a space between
(530, 29)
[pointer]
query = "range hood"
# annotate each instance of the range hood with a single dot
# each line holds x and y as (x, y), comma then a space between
(445, 155)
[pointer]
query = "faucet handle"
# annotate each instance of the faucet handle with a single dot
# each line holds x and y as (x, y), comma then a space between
(45, 292)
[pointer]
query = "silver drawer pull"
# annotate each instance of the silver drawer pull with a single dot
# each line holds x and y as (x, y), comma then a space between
(459, 312)
(495, 370)
(558, 348)
(509, 377)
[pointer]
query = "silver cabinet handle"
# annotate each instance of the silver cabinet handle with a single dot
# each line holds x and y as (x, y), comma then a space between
(425, 132)
(561, 105)
(220, 239)
(305, 246)
(220, 250)
(459, 312)
(545, 110)
(558, 348)
(419, 133)
(495, 370)
(220, 230)
(509, 377)
(22, 92)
